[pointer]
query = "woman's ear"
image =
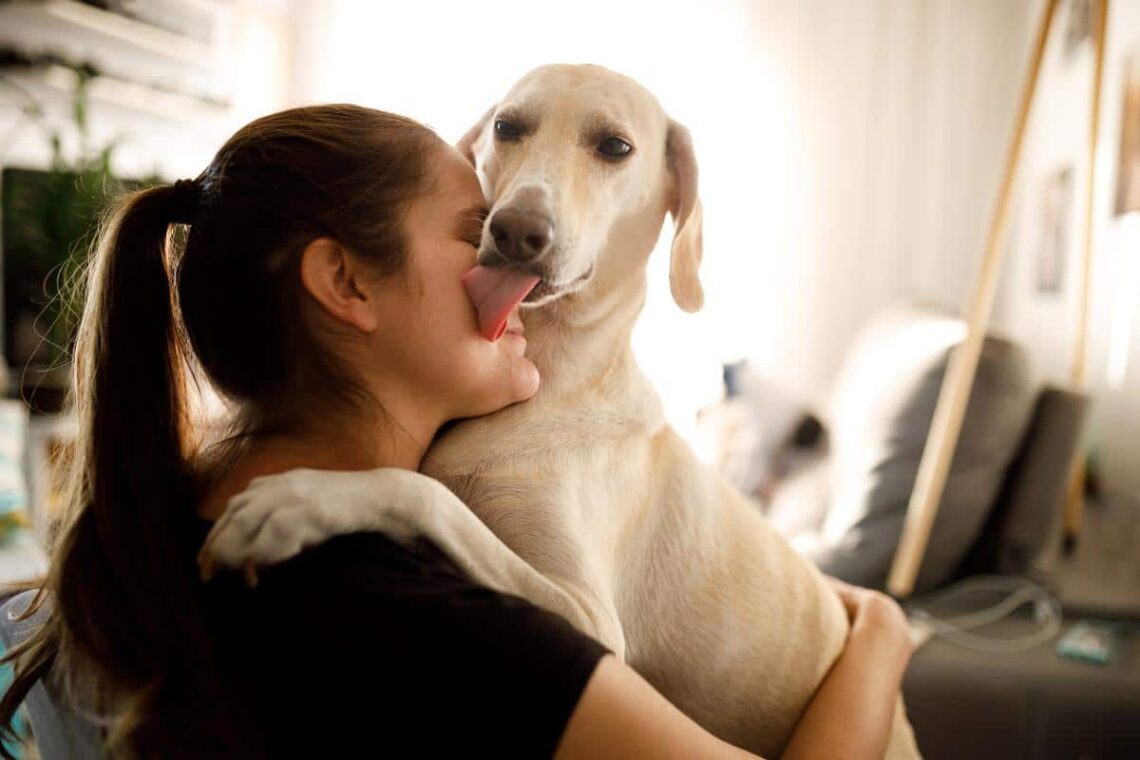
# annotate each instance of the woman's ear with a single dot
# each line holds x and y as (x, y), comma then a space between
(336, 280)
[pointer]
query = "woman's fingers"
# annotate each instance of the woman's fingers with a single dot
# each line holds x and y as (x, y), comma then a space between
(850, 596)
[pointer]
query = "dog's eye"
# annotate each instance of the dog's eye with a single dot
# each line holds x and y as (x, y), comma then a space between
(507, 130)
(615, 147)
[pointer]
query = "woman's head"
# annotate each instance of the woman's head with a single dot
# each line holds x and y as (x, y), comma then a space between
(414, 336)
(323, 262)
(318, 283)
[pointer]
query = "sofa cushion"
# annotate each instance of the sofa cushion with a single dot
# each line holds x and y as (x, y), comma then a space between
(879, 417)
(1028, 510)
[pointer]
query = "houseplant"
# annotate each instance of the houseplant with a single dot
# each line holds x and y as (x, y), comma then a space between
(49, 218)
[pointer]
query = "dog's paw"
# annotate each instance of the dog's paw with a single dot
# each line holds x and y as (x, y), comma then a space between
(279, 516)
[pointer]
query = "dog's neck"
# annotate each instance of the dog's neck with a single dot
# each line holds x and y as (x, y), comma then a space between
(581, 343)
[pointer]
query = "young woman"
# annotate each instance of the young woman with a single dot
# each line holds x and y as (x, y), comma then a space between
(318, 289)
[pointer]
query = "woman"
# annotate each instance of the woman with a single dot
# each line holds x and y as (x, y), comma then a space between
(319, 291)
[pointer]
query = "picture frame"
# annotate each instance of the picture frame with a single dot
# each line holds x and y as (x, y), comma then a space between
(1128, 166)
(1056, 222)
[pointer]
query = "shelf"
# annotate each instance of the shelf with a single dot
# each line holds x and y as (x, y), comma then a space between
(106, 31)
(104, 89)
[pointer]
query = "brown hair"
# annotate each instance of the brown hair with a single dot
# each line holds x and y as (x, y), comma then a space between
(126, 636)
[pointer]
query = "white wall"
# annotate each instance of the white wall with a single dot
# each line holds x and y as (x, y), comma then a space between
(1058, 138)
(902, 111)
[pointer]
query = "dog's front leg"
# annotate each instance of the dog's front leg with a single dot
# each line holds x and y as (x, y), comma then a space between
(279, 516)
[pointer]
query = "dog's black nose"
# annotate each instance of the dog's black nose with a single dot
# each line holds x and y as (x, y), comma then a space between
(521, 235)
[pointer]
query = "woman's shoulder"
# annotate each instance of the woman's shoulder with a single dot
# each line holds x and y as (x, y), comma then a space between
(357, 560)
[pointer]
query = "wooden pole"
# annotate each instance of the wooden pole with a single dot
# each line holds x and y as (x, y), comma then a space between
(947, 423)
(1074, 503)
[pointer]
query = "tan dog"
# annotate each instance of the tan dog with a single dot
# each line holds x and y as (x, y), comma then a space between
(597, 510)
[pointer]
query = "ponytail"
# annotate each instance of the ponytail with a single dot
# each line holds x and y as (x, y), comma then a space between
(121, 581)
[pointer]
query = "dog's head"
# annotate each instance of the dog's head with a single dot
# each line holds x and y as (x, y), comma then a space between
(573, 158)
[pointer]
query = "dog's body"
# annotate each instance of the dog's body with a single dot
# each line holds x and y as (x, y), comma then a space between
(672, 566)
(633, 540)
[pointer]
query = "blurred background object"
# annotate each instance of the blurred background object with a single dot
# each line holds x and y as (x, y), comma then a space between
(759, 435)
(50, 216)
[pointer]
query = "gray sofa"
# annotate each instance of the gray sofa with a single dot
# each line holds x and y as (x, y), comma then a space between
(846, 511)
(1001, 510)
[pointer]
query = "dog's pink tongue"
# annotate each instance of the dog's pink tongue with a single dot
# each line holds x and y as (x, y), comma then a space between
(495, 293)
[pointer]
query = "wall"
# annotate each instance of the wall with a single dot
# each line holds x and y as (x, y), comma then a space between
(1057, 139)
(901, 115)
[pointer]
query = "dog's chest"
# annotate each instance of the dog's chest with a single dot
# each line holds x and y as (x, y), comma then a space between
(545, 499)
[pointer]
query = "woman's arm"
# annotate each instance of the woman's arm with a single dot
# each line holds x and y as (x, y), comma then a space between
(621, 716)
(852, 713)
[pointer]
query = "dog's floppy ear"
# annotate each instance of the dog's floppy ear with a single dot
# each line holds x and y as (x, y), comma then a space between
(469, 143)
(685, 206)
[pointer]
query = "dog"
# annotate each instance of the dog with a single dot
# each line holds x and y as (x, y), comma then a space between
(587, 502)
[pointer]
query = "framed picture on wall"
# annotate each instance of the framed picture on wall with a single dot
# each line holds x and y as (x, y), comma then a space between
(1052, 252)
(1128, 171)
(1078, 26)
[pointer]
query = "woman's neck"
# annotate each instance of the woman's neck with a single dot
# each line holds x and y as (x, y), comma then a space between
(352, 446)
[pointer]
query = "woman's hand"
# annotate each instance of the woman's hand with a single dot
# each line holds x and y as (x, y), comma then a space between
(876, 620)
(857, 706)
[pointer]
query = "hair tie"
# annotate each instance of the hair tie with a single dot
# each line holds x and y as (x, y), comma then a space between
(185, 201)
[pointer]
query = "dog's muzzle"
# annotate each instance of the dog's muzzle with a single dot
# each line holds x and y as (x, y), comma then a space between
(521, 235)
